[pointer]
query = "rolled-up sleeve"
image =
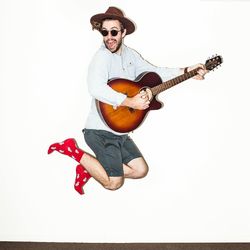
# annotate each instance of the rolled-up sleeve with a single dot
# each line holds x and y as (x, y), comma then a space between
(98, 76)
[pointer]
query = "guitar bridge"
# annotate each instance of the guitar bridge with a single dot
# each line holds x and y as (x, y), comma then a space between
(131, 110)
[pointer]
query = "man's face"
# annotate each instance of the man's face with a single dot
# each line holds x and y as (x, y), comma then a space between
(113, 42)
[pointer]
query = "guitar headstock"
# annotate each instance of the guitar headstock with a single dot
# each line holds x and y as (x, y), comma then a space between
(213, 62)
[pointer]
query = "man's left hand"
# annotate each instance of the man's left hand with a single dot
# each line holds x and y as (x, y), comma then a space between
(201, 72)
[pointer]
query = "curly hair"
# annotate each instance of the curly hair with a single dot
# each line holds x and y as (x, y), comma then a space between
(96, 25)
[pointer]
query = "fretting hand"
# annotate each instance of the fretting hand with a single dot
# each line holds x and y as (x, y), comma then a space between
(201, 72)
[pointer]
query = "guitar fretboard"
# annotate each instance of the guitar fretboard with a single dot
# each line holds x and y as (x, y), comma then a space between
(168, 84)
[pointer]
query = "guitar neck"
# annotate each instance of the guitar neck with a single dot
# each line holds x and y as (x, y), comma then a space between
(170, 83)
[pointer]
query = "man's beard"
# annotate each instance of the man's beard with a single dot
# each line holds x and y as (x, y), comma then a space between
(117, 48)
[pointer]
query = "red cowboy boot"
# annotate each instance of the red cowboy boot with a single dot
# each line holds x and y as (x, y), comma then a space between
(82, 177)
(67, 147)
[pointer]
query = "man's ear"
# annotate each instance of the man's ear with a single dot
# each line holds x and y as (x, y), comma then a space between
(124, 33)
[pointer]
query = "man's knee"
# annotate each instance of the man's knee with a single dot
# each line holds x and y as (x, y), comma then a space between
(115, 183)
(141, 173)
(141, 170)
(138, 168)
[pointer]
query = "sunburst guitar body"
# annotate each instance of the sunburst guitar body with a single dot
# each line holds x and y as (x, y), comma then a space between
(124, 119)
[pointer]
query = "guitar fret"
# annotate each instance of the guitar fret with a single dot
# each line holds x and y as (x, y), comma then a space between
(170, 83)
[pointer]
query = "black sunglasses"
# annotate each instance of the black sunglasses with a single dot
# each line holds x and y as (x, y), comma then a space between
(112, 32)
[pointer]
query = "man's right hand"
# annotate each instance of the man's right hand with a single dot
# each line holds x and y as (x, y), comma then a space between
(140, 101)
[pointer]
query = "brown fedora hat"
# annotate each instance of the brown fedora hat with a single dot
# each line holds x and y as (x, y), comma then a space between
(113, 13)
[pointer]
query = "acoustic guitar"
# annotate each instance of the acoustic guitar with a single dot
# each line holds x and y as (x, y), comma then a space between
(125, 119)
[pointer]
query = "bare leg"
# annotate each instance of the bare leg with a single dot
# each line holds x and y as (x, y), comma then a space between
(135, 169)
(97, 171)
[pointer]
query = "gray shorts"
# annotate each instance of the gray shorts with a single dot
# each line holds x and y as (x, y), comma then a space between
(111, 150)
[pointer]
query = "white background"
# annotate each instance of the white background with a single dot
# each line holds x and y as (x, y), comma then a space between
(197, 146)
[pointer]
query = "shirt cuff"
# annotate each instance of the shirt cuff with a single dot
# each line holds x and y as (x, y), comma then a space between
(120, 99)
